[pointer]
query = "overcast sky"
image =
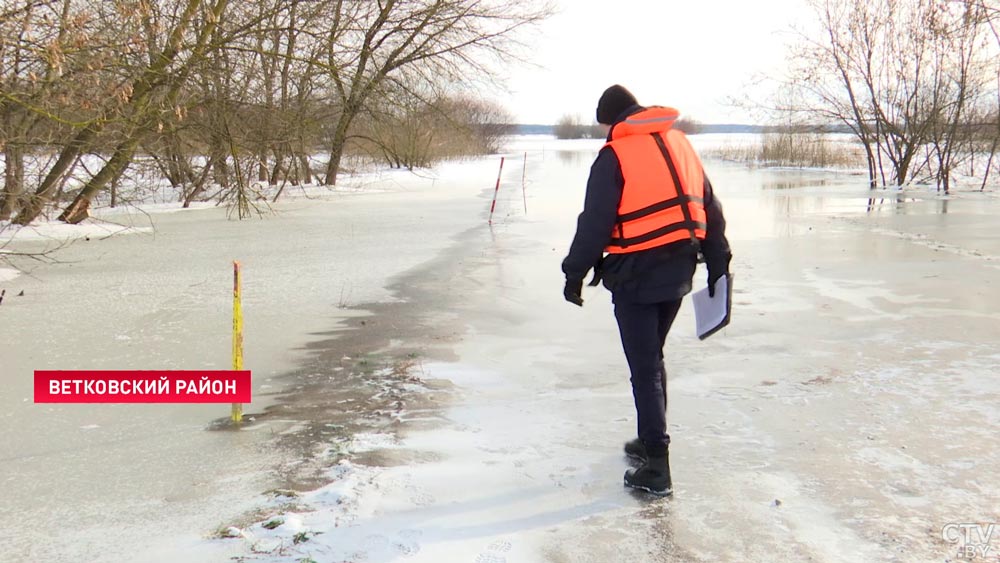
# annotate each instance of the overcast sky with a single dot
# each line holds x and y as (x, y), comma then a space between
(691, 55)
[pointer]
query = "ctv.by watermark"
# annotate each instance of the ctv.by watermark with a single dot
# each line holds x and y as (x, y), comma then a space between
(974, 541)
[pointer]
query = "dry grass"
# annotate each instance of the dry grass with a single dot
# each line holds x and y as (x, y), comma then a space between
(805, 150)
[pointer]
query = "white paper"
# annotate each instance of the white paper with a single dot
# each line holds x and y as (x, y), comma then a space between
(710, 312)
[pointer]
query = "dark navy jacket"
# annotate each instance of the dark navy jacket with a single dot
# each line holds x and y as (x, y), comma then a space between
(658, 274)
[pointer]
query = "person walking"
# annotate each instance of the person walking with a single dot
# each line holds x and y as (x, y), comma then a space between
(651, 208)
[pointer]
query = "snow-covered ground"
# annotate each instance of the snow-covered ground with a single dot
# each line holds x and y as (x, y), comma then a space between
(101, 483)
(848, 414)
(141, 206)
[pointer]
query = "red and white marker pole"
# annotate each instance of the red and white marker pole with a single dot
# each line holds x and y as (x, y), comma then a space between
(496, 191)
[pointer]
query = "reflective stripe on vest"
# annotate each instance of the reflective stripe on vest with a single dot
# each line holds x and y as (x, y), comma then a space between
(662, 201)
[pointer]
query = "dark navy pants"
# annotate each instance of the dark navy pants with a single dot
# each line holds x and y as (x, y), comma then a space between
(644, 329)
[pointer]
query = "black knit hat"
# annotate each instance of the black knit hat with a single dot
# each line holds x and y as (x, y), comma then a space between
(613, 102)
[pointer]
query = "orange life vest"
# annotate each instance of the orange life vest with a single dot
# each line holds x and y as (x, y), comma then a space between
(662, 201)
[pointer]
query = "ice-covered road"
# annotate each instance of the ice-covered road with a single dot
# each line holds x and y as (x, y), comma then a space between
(848, 414)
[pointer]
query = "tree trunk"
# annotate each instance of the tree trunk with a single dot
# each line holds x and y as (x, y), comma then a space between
(217, 156)
(179, 169)
(337, 148)
(903, 167)
(306, 172)
(33, 207)
(278, 172)
(262, 167)
(199, 184)
(13, 179)
(293, 168)
(989, 164)
(122, 157)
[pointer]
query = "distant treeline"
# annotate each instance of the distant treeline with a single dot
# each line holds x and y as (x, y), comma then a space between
(542, 129)
(571, 126)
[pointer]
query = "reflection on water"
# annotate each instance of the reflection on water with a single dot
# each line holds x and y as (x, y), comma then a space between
(784, 183)
(773, 202)
(902, 204)
(575, 157)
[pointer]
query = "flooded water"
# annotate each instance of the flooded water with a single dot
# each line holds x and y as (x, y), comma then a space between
(847, 414)
(844, 416)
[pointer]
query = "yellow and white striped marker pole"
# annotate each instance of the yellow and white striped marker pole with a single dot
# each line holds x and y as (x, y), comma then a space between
(237, 415)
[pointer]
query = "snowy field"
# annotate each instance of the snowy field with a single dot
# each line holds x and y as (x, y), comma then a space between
(848, 414)
(96, 483)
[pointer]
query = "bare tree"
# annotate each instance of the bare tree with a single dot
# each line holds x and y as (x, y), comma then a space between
(688, 125)
(439, 39)
(570, 126)
(410, 130)
(225, 100)
(34, 39)
(902, 76)
(141, 106)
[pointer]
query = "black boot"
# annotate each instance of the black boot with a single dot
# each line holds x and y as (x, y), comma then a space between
(635, 450)
(652, 477)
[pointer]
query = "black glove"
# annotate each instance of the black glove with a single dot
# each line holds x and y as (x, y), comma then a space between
(598, 273)
(717, 267)
(573, 290)
(712, 278)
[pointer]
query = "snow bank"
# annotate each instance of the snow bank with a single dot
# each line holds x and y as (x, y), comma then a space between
(150, 208)
(61, 232)
(317, 522)
(54, 234)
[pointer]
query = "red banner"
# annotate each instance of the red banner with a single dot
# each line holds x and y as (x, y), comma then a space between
(206, 386)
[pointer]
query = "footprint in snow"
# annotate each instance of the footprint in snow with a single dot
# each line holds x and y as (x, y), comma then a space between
(494, 552)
